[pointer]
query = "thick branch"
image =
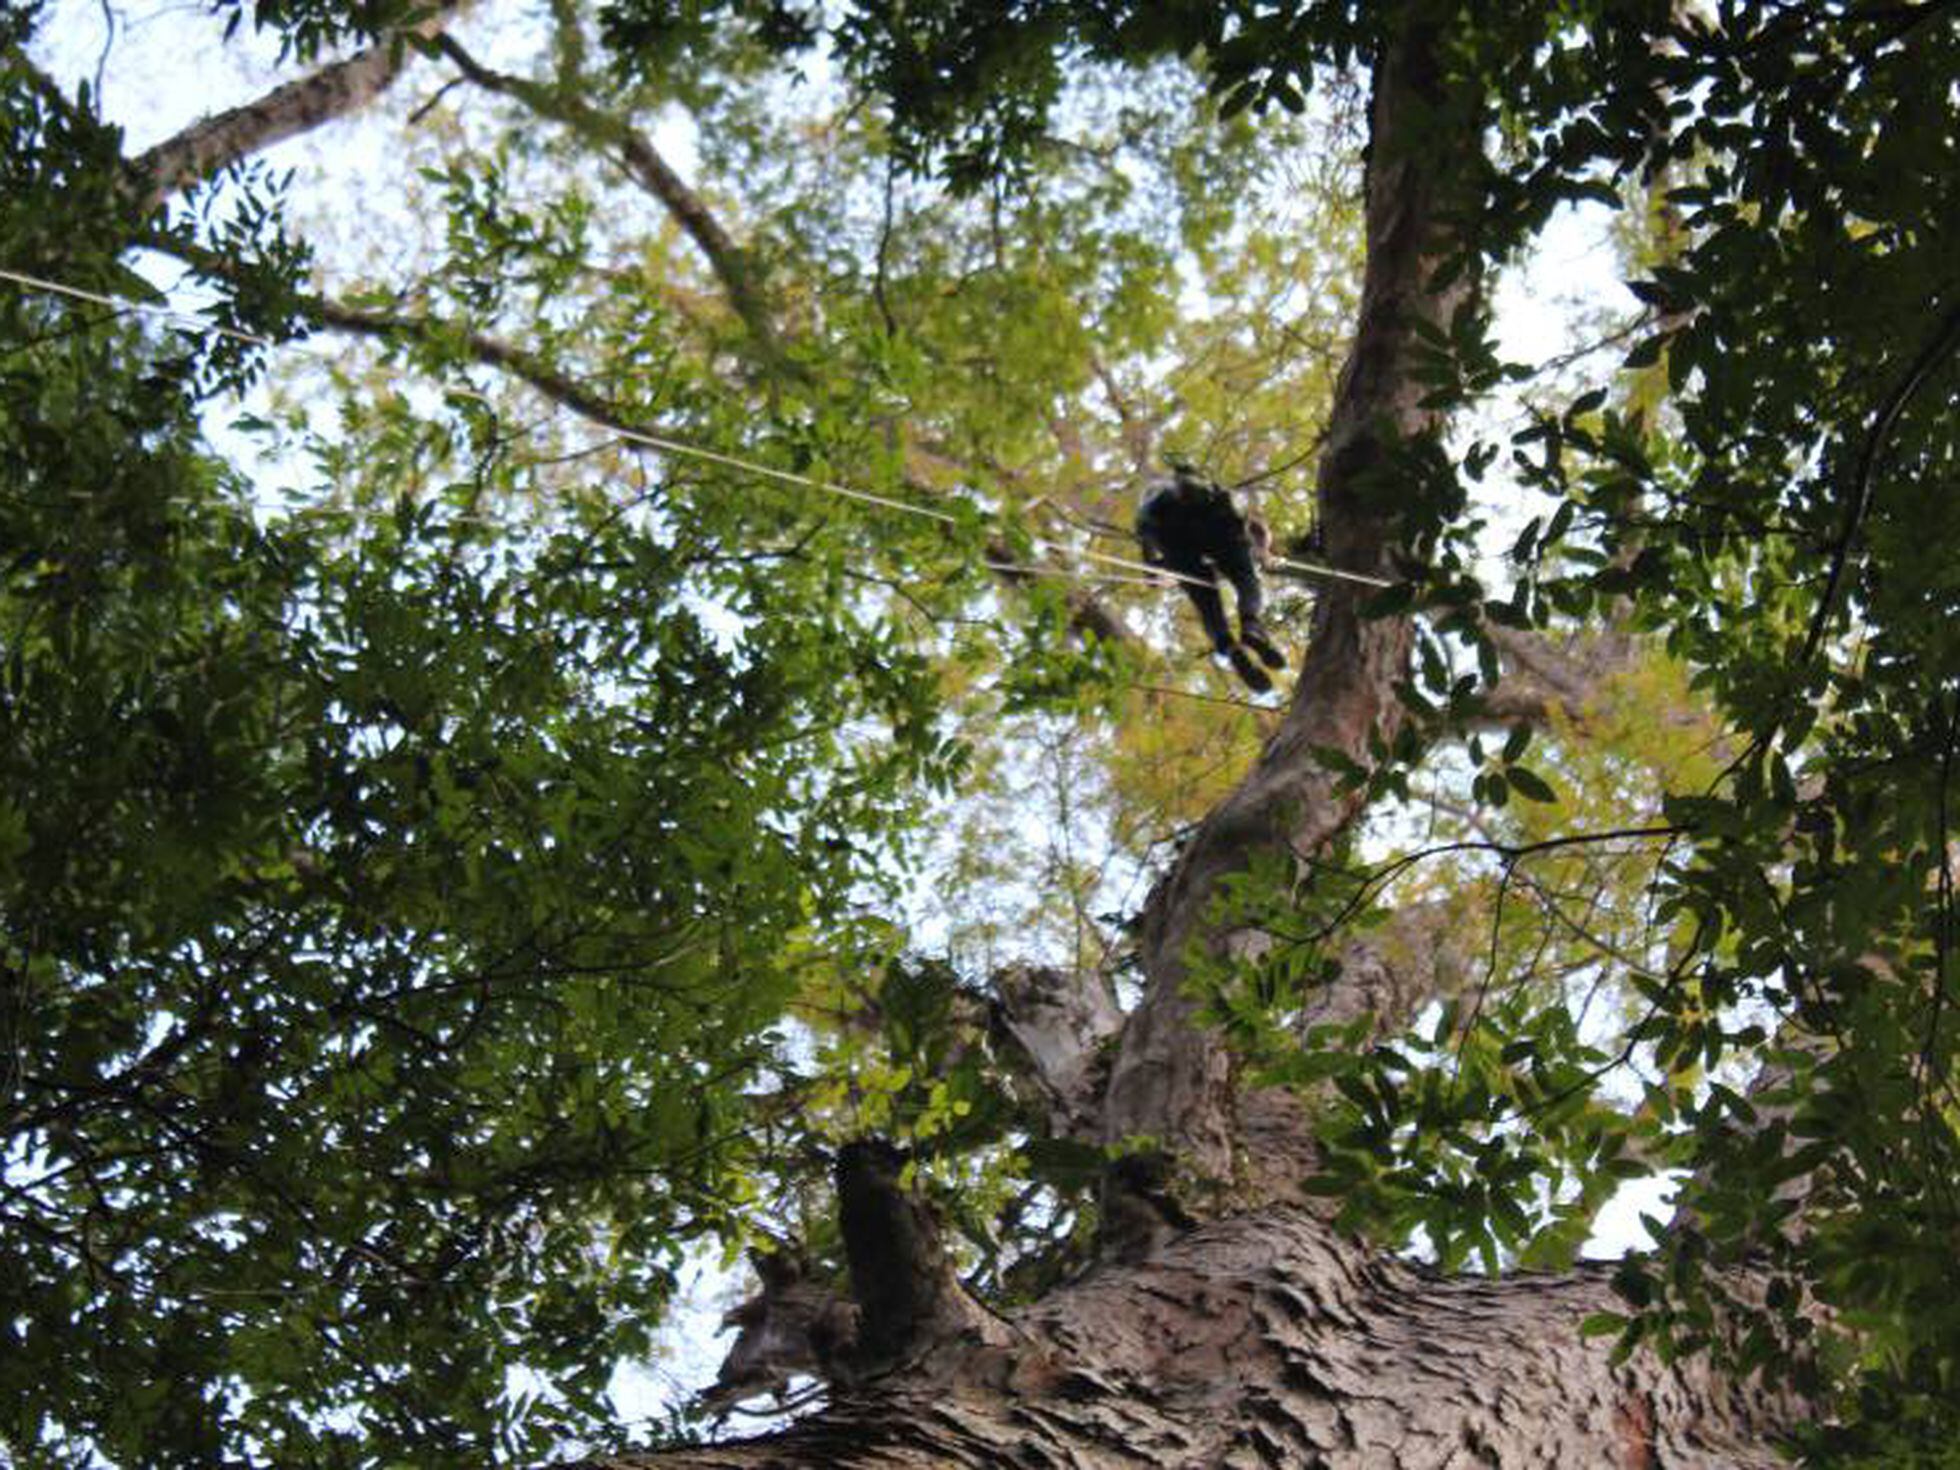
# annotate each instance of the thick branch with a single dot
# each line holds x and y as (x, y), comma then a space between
(490, 351)
(331, 92)
(1425, 951)
(794, 1324)
(1059, 1022)
(909, 1298)
(906, 1300)
(1543, 675)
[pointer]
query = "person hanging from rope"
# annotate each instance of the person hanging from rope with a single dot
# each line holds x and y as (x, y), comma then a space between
(1189, 526)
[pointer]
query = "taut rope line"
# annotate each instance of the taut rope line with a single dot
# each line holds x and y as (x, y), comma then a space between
(712, 456)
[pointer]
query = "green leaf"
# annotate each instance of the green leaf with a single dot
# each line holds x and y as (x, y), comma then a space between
(1529, 784)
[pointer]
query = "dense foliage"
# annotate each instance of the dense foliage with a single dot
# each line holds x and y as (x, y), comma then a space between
(397, 898)
(434, 902)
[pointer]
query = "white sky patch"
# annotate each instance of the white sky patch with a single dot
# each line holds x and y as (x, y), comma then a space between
(1619, 1229)
(1543, 307)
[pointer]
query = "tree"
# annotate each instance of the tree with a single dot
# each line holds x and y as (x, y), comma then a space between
(437, 906)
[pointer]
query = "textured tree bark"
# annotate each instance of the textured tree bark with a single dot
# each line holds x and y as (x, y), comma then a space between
(1059, 1025)
(1265, 1339)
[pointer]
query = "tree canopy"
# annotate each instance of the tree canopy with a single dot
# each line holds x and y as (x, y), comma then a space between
(591, 733)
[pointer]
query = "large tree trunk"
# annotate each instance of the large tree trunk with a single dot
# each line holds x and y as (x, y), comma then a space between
(1263, 1336)
(1266, 1339)
(1172, 1080)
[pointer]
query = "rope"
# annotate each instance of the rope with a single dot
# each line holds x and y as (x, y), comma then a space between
(1096, 526)
(1314, 569)
(675, 446)
(829, 487)
(1014, 569)
(116, 303)
(1293, 566)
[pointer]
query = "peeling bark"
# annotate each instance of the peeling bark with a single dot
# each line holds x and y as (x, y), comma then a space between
(792, 1325)
(1265, 1339)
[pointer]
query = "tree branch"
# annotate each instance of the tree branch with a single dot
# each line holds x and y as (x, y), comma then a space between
(1059, 1023)
(299, 106)
(909, 1297)
(1087, 614)
(481, 347)
(1267, 1339)
(643, 163)
(1544, 674)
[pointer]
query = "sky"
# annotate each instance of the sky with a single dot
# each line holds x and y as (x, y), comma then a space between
(159, 66)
